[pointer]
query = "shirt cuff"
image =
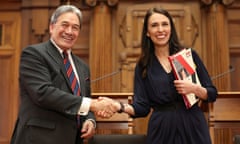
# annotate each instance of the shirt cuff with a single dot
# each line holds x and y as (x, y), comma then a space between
(85, 106)
(93, 121)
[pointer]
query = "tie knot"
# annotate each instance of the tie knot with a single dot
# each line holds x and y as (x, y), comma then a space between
(65, 54)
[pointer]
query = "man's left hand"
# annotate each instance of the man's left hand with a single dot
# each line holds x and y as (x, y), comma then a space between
(88, 129)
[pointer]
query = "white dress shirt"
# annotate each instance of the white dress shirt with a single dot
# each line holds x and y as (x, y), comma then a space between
(85, 106)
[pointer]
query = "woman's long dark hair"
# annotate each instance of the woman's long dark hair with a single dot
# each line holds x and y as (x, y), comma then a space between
(147, 47)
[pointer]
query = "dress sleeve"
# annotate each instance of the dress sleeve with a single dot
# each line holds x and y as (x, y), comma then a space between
(204, 78)
(140, 99)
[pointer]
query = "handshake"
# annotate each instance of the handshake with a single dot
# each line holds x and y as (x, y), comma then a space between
(105, 107)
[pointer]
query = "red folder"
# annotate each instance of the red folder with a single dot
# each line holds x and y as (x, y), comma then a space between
(184, 69)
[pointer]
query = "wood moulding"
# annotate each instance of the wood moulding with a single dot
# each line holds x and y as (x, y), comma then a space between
(93, 3)
(224, 2)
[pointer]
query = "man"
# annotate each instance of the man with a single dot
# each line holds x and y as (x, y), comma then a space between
(50, 107)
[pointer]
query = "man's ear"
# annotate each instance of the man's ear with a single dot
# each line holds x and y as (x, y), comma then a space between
(50, 28)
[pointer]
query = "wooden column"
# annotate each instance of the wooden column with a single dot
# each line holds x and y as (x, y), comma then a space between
(217, 51)
(100, 56)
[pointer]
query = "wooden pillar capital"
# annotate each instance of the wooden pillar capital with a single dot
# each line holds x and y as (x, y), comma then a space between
(223, 2)
(93, 3)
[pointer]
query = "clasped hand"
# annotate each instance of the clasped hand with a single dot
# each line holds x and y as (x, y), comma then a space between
(106, 107)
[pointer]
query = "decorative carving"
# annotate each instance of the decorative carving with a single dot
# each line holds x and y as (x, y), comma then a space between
(131, 26)
(224, 2)
(207, 2)
(195, 31)
(227, 2)
(122, 30)
(39, 27)
(7, 34)
(1, 34)
(112, 2)
(93, 3)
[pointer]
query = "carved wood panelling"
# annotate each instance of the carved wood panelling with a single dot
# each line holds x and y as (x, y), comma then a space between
(36, 15)
(223, 132)
(6, 33)
(101, 48)
(131, 26)
(81, 48)
(40, 21)
(234, 43)
(224, 118)
(225, 2)
(93, 3)
(217, 52)
(207, 2)
(9, 57)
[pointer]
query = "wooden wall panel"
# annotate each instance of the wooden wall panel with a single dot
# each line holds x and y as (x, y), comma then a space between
(9, 57)
(234, 43)
(224, 118)
(216, 50)
(101, 48)
(235, 63)
(5, 113)
(81, 48)
(224, 132)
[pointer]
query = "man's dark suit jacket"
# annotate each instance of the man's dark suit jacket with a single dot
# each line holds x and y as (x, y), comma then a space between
(48, 108)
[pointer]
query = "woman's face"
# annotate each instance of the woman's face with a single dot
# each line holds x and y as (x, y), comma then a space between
(159, 29)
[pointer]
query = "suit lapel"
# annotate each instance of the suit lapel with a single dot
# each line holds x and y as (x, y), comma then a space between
(54, 53)
(57, 57)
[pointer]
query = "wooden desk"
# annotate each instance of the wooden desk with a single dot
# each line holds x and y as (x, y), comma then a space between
(224, 118)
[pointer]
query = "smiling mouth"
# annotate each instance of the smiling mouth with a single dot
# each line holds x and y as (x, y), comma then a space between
(67, 39)
(161, 36)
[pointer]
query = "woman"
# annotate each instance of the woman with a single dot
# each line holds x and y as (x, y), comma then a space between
(155, 87)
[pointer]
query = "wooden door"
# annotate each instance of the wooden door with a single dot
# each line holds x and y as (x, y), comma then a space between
(9, 59)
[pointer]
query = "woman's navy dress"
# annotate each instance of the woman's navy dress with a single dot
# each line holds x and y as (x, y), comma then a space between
(171, 122)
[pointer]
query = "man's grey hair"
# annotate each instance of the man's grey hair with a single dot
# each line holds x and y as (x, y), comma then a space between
(64, 9)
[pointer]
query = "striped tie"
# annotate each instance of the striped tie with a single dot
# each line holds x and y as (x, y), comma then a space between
(70, 73)
(72, 79)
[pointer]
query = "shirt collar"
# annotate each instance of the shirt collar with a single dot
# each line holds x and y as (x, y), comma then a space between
(58, 48)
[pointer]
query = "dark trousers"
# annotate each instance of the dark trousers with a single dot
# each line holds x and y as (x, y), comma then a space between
(79, 140)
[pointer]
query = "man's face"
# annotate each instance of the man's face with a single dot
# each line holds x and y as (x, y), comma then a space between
(66, 30)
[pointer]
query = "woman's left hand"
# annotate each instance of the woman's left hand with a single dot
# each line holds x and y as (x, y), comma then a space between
(184, 86)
